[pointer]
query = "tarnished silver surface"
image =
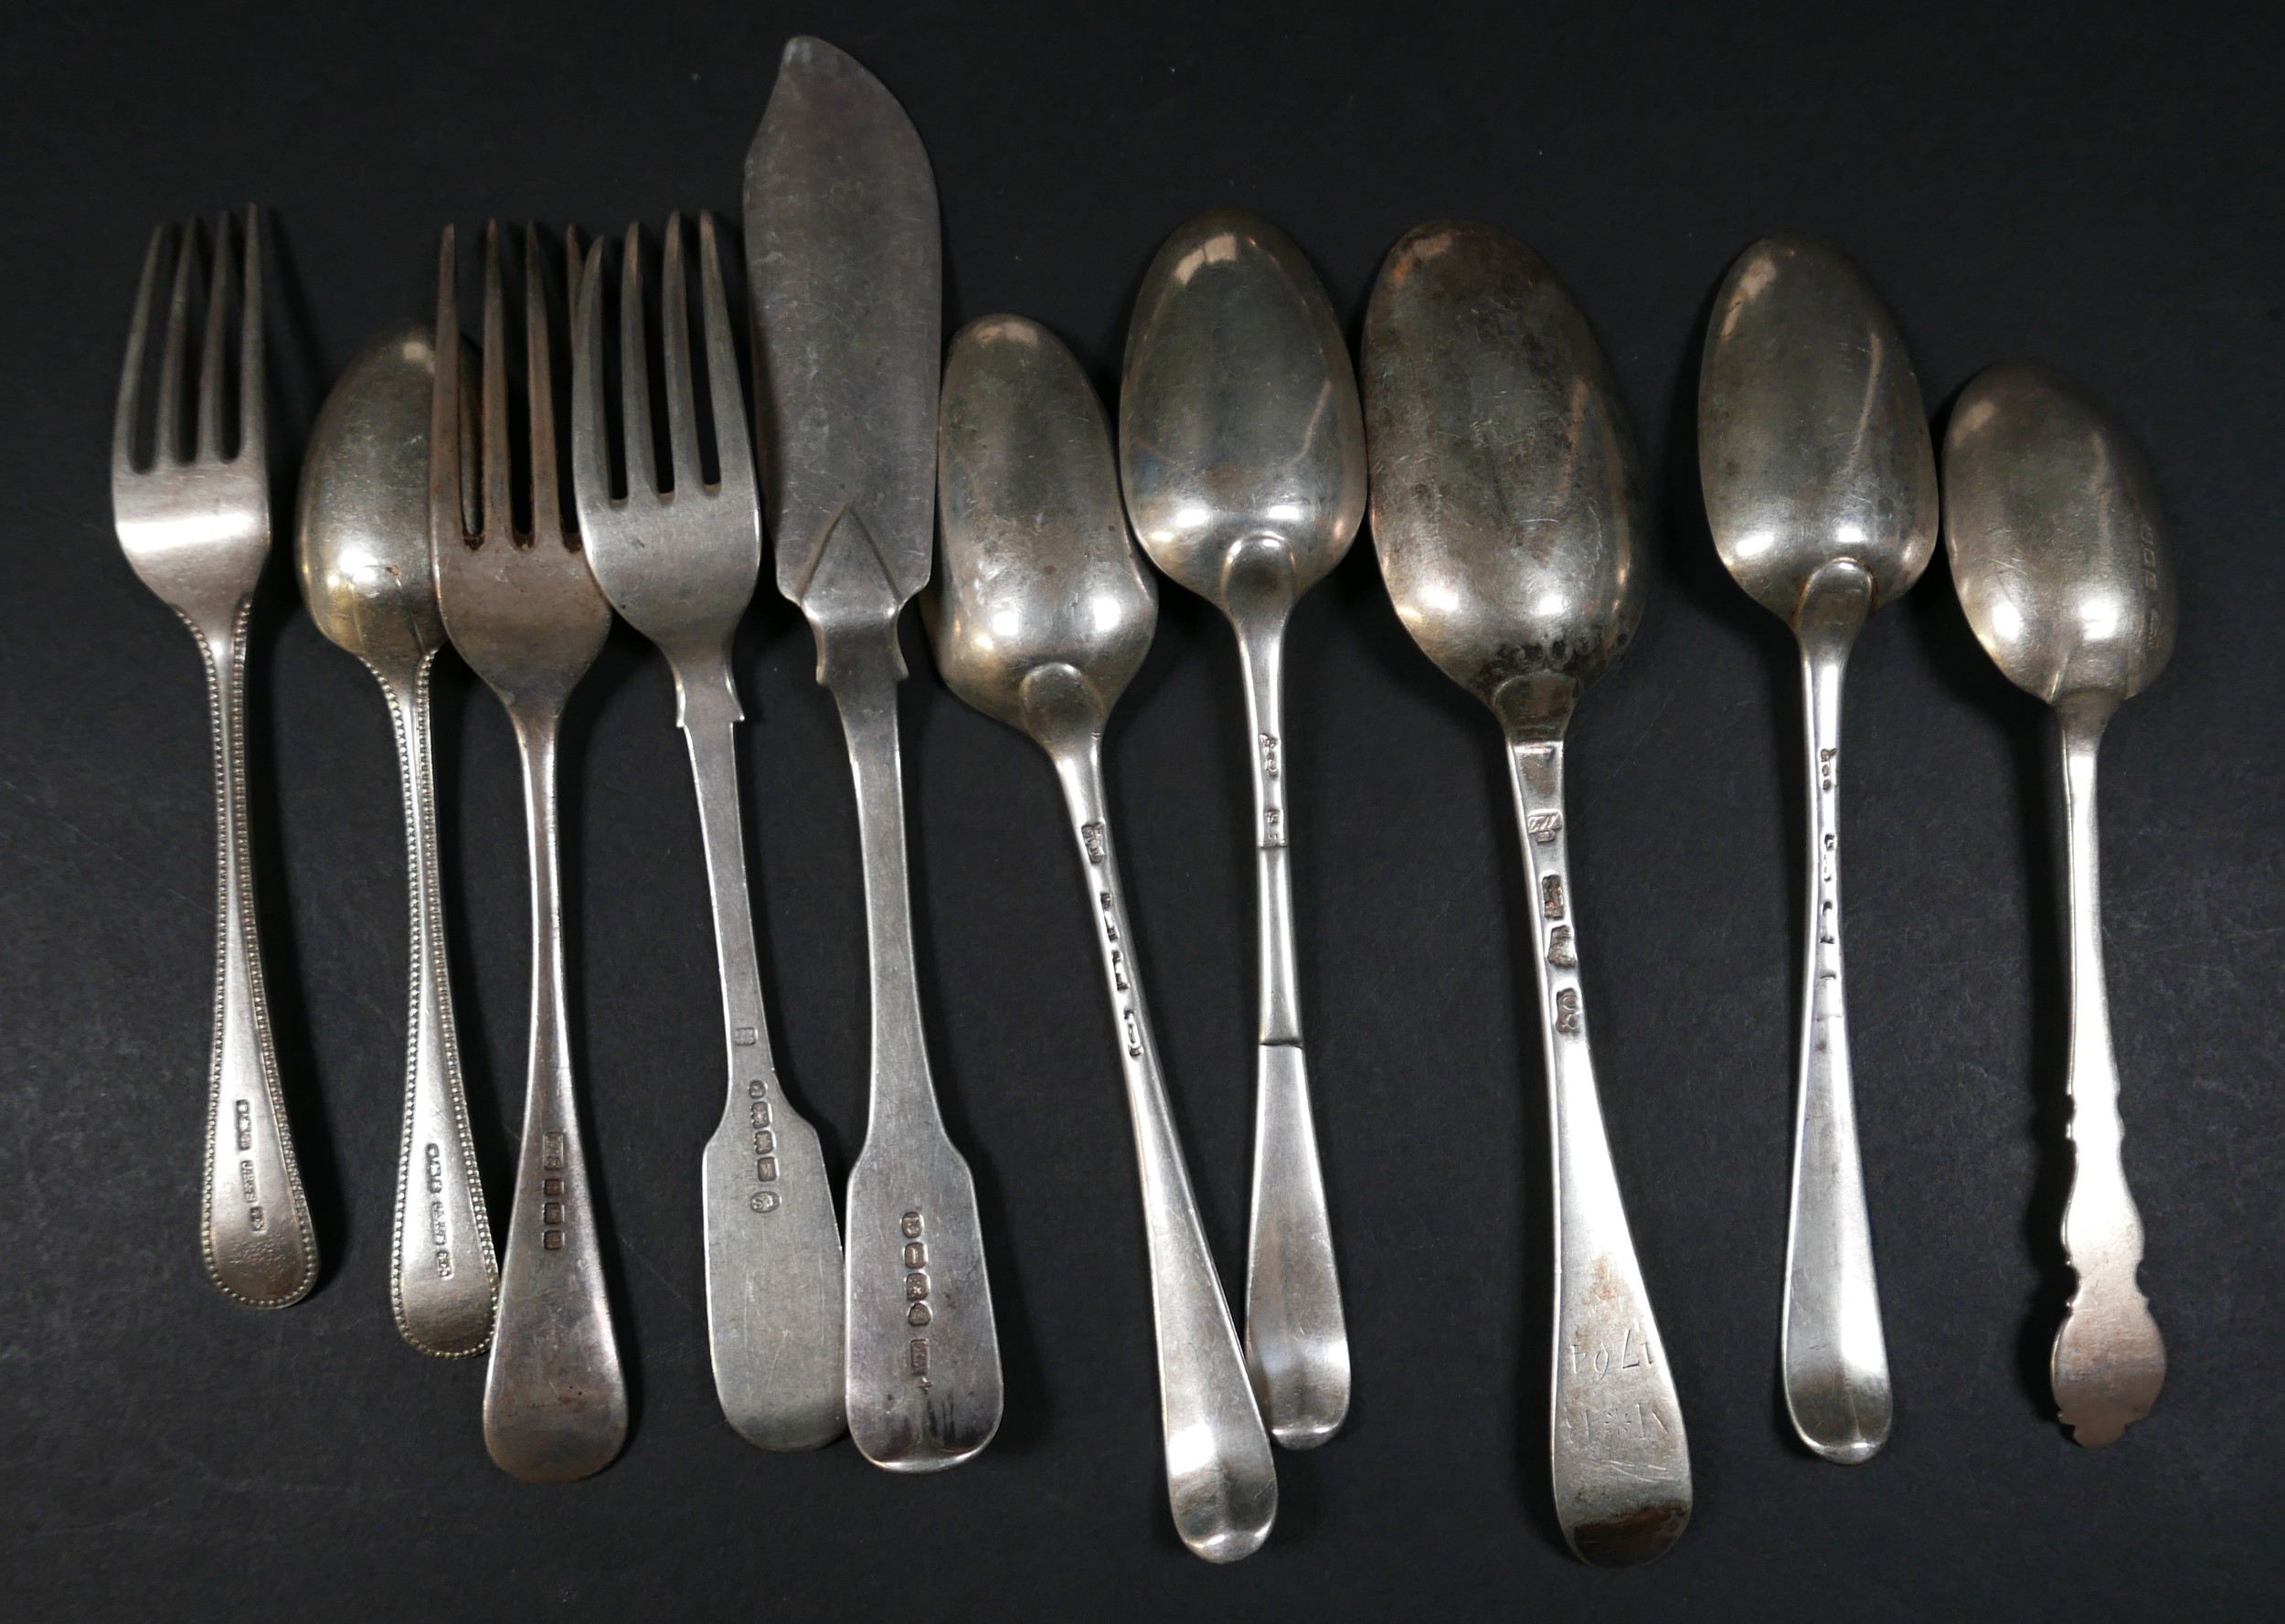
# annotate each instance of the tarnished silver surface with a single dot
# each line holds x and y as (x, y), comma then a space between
(1044, 614)
(361, 537)
(2060, 557)
(194, 520)
(1820, 485)
(680, 564)
(843, 252)
(1241, 448)
(1507, 510)
(524, 613)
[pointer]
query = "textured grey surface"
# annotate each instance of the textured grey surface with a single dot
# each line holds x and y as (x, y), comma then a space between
(2090, 188)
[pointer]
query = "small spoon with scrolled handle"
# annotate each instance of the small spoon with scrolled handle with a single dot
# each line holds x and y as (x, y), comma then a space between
(2061, 562)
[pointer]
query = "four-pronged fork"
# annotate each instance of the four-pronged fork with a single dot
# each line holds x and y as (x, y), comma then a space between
(681, 566)
(194, 521)
(525, 614)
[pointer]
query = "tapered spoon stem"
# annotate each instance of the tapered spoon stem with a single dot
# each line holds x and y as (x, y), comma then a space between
(1620, 1460)
(1221, 1481)
(1296, 1334)
(1835, 1357)
(2109, 1360)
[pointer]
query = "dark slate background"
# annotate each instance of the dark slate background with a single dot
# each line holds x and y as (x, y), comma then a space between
(2093, 187)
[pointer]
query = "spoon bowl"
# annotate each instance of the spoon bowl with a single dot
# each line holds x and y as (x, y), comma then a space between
(2056, 546)
(1242, 446)
(1038, 571)
(1507, 489)
(1812, 443)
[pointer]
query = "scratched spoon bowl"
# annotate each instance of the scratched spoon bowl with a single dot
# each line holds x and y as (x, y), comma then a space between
(362, 544)
(1242, 449)
(1507, 511)
(1043, 615)
(2060, 557)
(1820, 486)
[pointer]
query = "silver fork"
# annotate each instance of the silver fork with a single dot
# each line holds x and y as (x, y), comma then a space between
(524, 613)
(681, 566)
(194, 524)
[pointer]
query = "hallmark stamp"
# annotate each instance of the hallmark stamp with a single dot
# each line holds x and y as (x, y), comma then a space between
(1566, 1012)
(1551, 896)
(918, 1313)
(1092, 837)
(554, 1156)
(1269, 755)
(1559, 953)
(1543, 827)
(245, 1117)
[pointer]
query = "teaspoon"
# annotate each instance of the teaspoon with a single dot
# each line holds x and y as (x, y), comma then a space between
(1045, 614)
(1507, 511)
(1241, 448)
(2061, 562)
(1820, 485)
(362, 535)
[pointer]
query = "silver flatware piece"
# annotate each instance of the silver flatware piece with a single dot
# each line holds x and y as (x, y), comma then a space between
(1507, 510)
(1043, 615)
(361, 537)
(680, 564)
(844, 252)
(2061, 559)
(1242, 449)
(1820, 484)
(524, 611)
(193, 517)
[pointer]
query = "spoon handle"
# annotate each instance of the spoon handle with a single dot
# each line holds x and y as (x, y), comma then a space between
(1296, 1342)
(773, 1253)
(1221, 1477)
(923, 1356)
(555, 1398)
(2109, 1360)
(1622, 1461)
(1834, 1357)
(444, 1282)
(261, 1248)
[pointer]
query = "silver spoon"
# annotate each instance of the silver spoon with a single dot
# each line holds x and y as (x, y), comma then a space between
(361, 537)
(1045, 615)
(2061, 562)
(1242, 450)
(1821, 487)
(1507, 508)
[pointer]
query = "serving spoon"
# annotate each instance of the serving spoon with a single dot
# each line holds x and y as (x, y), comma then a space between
(2061, 562)
(361, 536)
(1044, 617)
(1241, 448)
(1820, 485)
(1507, 511)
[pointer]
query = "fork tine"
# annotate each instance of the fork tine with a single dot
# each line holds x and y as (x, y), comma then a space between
(590, 463)
(682, 411)
(499, 516)
(208, 432)
(166, 442)
(734, 454)
(131, 375)
(634, 373)
(548, 527)
(574, 265)
(447, 510)
(250, 419)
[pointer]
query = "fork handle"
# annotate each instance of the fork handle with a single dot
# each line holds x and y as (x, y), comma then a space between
(260, 1246)
(443, 1282)
(554, 1397)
